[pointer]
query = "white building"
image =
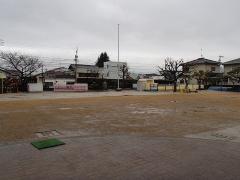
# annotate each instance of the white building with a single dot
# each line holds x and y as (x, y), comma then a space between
(2, 74)
(57, 76)
(110, 70)
(87, 71)
(2, 77)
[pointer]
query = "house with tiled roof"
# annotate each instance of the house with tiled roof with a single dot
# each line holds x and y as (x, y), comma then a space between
(231, 65)
(202, 64)
(205, 65)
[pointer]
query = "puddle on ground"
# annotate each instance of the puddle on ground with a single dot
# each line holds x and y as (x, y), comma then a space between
(62, 133)
(65, 108)
(228, 134)
(138, 112)
(51, 133)
(151, 111)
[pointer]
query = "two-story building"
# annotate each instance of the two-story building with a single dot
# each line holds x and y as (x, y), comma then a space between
(57, 76)
(231, 65)
(89, 74)
(202, 64)
(228, 67)
(96, 76)
(86, 71)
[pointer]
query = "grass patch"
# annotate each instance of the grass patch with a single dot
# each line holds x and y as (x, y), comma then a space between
(43, 144)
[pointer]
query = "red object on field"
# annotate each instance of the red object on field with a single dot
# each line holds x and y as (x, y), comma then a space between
(71, 88)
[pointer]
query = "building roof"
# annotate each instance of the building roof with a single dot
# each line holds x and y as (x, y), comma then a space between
(59, 69)
(235, 61)
(115, 62)
(152, 74)
(9, 71)
(3, 70)
(201, 61)
(72, 66)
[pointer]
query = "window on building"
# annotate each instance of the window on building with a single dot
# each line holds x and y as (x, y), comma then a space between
(88, 75)
(213, 68)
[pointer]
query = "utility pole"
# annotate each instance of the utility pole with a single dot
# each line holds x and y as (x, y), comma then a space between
(42, 75)
(76, 60)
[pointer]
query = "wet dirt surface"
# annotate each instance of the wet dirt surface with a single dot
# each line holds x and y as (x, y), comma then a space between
(173, 115)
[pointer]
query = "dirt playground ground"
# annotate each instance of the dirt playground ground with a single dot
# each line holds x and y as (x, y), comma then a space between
(167, 115)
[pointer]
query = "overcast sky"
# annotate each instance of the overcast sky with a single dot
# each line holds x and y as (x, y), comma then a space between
(150, 29)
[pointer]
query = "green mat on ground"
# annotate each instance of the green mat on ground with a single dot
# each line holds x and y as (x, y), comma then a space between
(47, 143)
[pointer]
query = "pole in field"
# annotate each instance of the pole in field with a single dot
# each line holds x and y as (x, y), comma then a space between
(118, 56)
(118, 88)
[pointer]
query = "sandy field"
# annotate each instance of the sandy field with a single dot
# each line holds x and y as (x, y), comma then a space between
(64, 95)
(32, 116)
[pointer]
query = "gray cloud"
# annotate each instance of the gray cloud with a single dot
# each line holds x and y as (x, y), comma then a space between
(150, 29)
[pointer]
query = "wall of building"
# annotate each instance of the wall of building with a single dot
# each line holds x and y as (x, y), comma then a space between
(205, 68)
(2, 75)
(228, 68)
(193, 81)
(110, 70)
(89, 71)
(60, 81)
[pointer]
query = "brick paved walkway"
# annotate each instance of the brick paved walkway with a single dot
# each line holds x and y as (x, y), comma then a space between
(123, 157)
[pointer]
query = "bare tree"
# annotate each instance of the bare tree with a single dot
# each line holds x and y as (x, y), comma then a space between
(124, 73)
(187, 76)
(172, 71)
(24, 65)
(201, 77)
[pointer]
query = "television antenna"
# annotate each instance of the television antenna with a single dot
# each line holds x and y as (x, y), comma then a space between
(220, 58)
